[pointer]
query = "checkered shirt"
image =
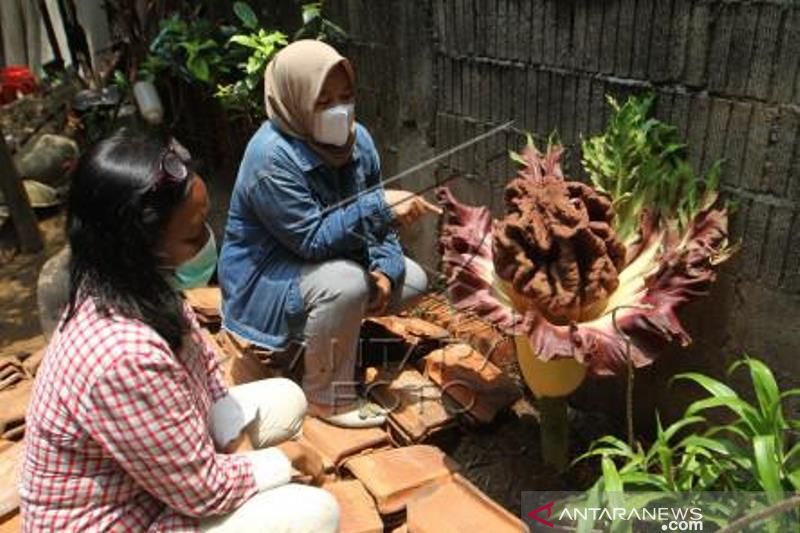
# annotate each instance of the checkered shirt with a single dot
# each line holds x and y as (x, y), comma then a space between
(117, 432)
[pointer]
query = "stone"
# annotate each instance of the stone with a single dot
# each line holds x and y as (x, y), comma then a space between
(474, 382)
(394, 477)
(474, 512)
(49, 159)
(52, 290)
(357, 508)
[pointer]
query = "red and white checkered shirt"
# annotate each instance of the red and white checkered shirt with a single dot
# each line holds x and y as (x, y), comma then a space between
(117, 432)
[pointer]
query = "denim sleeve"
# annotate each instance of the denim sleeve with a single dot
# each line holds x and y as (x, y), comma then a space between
(385, 254)
(387, 257)
(284, 204)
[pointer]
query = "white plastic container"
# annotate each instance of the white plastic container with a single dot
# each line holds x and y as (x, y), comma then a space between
(148, 101)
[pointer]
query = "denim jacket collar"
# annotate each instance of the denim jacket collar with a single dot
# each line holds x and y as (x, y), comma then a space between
(308, 158)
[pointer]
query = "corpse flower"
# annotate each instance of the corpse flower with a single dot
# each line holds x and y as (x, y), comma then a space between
(588, 279)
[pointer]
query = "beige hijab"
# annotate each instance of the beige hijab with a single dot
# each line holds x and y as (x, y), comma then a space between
(292, 83)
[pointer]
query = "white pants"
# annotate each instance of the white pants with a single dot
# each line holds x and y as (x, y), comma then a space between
(278, 407)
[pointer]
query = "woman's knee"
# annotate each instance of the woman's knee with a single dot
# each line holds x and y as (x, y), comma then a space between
(292, 507)
(352, 281)
(415, 275)
(281, 406)
(340, 284)
(323, 510)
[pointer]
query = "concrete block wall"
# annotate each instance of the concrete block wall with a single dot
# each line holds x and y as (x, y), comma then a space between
(725, 73)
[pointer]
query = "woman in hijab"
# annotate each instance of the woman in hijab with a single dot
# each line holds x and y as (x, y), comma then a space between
(309, 245)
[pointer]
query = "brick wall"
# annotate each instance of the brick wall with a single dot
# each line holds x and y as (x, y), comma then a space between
(724, 72)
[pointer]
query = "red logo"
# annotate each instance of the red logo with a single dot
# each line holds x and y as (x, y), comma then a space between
(549, 507)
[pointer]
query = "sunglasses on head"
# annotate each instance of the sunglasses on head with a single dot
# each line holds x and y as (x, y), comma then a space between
(173, 167)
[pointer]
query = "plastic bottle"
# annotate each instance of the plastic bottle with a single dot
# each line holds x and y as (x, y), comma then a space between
(148, 101)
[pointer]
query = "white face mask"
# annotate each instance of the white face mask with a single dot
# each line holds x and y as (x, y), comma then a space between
(332, 126)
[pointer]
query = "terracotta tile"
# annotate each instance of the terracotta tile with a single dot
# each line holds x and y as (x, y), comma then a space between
(417, 407)
(24, 348)
(11, 523)
(10, 462)
(11, 373)
(395, 338)
(336, 444)
(238, 366)
(31, 364)
(470, 329)
(15, 402)
(411, 327)
(357, 508)
(394, 477)
(206, 303)
(470, 379)
(471, 511)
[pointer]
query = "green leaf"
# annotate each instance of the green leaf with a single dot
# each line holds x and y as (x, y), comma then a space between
(793, 452)
(611, 479)
(767, 466)
(744, 410)
(246, 14)
(614, 489)
(592, 501)
(794, 479)
(644, 479)
(699, 441)
(764, 383)
(517, 158)
(789, 393)
(311, 11)
(244, 40)
(199, 68)
(672, 430)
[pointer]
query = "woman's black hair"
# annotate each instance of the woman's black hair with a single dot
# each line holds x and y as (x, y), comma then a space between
(116, 216)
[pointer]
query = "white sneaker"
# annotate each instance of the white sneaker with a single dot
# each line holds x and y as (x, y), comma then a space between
(364, 415)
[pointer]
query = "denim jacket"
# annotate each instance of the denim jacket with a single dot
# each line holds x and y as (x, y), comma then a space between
(281, 217)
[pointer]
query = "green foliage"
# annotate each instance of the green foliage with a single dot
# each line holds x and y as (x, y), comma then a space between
(753, 452)
(640, 163)
(246, 94)
(230, 59)
(246, 15)
(187, 50)
(316, 26)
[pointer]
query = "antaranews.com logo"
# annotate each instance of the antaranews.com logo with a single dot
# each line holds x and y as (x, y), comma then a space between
(671, 518)
(652, 511)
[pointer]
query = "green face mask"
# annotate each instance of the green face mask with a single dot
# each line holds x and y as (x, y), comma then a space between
(198, 270)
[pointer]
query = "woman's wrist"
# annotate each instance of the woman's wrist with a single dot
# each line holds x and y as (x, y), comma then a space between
(271, 467)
